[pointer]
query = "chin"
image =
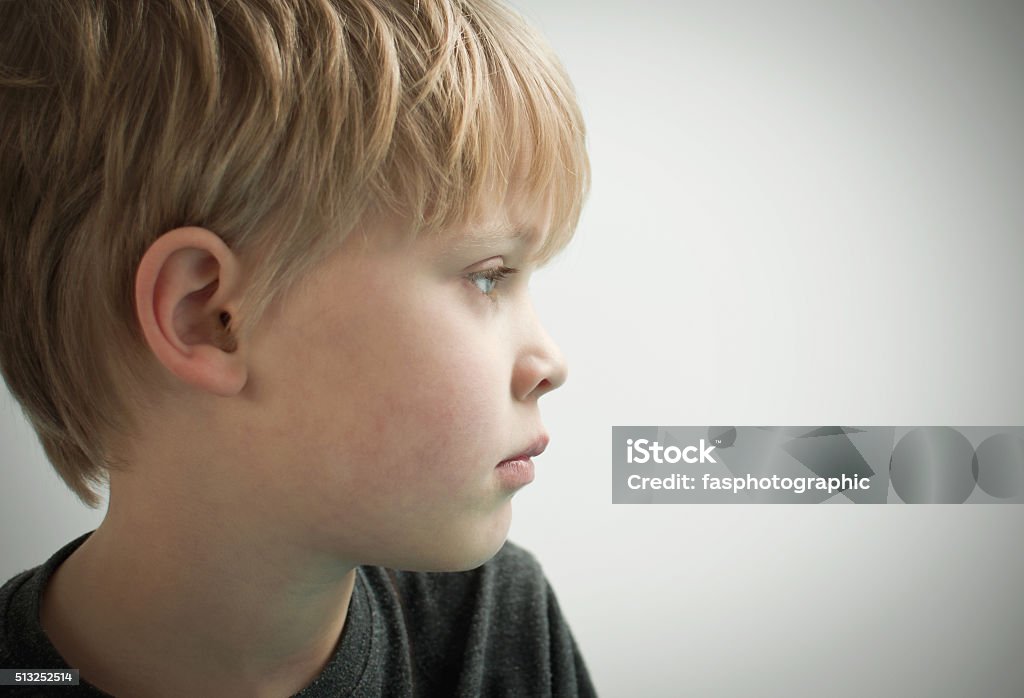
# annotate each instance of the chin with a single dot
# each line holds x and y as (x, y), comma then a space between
(465, 549)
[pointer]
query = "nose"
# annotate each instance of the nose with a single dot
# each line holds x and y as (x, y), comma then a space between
(540, 365)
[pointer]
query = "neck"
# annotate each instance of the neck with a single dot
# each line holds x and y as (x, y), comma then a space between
(201, 607)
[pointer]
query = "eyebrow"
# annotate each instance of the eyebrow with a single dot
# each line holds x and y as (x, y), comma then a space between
(489, 236)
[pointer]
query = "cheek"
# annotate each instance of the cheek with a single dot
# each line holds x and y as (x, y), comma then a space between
(413, 382)
(414, 388)
(442, 402)
(422, 450)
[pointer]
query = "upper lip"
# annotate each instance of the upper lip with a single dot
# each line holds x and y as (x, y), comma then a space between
(534, 449)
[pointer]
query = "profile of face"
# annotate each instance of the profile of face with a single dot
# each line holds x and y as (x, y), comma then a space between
(384, 392)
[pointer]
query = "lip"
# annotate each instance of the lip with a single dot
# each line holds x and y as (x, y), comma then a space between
(534, 449)
(517, 471)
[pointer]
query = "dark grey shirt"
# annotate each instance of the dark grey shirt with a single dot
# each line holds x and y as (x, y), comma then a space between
(492, 631)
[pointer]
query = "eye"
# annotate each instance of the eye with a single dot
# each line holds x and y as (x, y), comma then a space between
(488, 279)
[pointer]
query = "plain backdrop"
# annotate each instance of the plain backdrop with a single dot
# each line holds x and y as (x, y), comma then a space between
(802, 213)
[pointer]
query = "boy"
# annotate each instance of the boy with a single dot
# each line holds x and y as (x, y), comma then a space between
(264, 272)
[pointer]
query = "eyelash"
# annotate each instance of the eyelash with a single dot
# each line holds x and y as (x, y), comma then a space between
(495, 275)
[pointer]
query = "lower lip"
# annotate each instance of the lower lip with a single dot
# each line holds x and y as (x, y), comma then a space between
(515, 473)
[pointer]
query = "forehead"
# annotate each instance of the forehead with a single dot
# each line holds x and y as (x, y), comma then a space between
(517, 218)
(490, 236)
(513, 222)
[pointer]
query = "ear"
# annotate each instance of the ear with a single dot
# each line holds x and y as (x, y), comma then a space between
(186, 282)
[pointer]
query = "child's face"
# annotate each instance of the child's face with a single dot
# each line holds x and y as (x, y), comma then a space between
(385, 393)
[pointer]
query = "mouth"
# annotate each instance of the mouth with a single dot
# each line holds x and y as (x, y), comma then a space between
(535, 448)
(517, 471)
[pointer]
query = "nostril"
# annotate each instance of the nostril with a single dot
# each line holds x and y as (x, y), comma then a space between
(544, 387)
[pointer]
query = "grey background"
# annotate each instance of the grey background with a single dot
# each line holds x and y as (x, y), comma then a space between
(802, 213)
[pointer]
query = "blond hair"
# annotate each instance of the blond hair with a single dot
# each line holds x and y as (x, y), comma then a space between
(274, 123)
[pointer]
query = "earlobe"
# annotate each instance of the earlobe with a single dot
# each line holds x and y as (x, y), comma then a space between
(185, 281)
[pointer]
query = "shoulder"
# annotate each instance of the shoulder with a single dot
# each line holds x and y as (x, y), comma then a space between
(22, 638)
(8, 592)
(476, 632)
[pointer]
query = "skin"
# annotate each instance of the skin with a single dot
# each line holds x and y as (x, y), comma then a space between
(359, 424)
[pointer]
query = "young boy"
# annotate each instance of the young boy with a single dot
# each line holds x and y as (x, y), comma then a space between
(264, 272)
